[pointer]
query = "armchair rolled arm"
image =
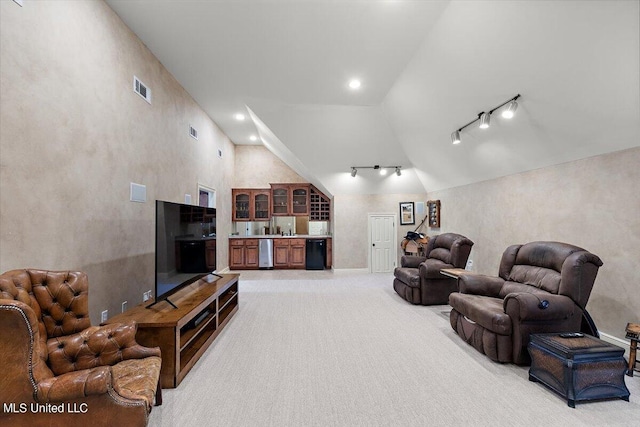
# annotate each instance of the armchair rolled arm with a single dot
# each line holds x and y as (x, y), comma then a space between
(479, 284)
(411, 261)
(75, 385)
(22, 344)
(524, 306)
(97, 346)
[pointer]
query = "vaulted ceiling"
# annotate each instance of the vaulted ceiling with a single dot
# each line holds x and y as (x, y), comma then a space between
(427, 68)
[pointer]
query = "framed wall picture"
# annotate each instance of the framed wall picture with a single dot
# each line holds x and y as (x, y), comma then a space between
(434, 213)
(407, 213)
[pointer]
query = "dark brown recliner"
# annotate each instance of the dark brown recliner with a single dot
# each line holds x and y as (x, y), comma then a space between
(51, 356)
(418, 279)
(543, 287)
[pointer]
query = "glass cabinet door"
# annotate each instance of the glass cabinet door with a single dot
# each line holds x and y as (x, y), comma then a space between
(280, 201)
(241, 207)
(261, 206)
(300, 201)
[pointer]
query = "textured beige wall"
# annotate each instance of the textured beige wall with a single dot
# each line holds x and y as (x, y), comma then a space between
(592, 203)
(74, 135)
(257, 167)
(351, 217)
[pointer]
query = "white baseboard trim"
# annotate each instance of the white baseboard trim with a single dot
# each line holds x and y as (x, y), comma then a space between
(615, 340)
(351, 270)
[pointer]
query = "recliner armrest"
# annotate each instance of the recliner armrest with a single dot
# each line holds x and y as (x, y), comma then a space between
(479, 284)
(430, 268)
(525, 306)
(411, 261)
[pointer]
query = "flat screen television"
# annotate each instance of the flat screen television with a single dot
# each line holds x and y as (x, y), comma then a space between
(185, 247)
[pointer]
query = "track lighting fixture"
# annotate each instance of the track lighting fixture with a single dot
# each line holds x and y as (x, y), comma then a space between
(382, 169)
(485, 117)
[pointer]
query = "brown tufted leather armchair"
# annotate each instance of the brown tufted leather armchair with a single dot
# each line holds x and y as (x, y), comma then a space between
(543, 287)
(57, 369)
(418, 279)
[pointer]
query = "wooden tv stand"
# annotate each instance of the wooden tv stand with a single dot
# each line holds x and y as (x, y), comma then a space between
(185, 333)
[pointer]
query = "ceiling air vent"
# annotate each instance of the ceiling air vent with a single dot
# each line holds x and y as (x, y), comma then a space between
(141, 89)
(193, 132)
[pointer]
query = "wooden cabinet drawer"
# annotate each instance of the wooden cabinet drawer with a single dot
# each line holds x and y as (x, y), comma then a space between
(298, 242)
(243, 242)
(280, 242)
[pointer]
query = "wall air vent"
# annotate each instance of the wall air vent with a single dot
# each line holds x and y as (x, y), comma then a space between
(193, 132)
(138, 192)
(141, 89)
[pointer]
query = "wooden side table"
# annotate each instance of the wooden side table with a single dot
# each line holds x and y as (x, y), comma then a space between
(455, 273)
(633, 333)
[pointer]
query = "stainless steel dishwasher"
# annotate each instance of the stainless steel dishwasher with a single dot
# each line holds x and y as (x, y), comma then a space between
(265, 253)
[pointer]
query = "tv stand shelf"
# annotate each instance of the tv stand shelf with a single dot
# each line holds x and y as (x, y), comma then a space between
(185, 333)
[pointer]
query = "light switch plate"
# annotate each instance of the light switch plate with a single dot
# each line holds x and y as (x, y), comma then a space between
(105, 316)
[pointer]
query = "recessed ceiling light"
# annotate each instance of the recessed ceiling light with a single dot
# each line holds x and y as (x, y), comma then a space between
(253, 138)
(355, 84)
(239, 117)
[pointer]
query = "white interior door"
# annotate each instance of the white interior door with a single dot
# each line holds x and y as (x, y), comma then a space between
(382, 243)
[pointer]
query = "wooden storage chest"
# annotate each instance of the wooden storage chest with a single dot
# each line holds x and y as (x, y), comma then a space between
(580, 369)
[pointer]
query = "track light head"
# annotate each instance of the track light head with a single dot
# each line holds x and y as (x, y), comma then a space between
(511, 109)
(455, 137)
(398, 172)
(485, 118)
(354, 172)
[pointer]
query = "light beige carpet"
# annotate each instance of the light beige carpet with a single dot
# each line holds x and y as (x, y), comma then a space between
(342, 349)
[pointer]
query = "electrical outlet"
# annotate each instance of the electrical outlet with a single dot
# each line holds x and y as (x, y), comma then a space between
(124, 306)
(105, 316)
(145, 296)
(469, 265)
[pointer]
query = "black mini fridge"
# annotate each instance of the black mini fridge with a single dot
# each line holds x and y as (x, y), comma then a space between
(316, 254)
